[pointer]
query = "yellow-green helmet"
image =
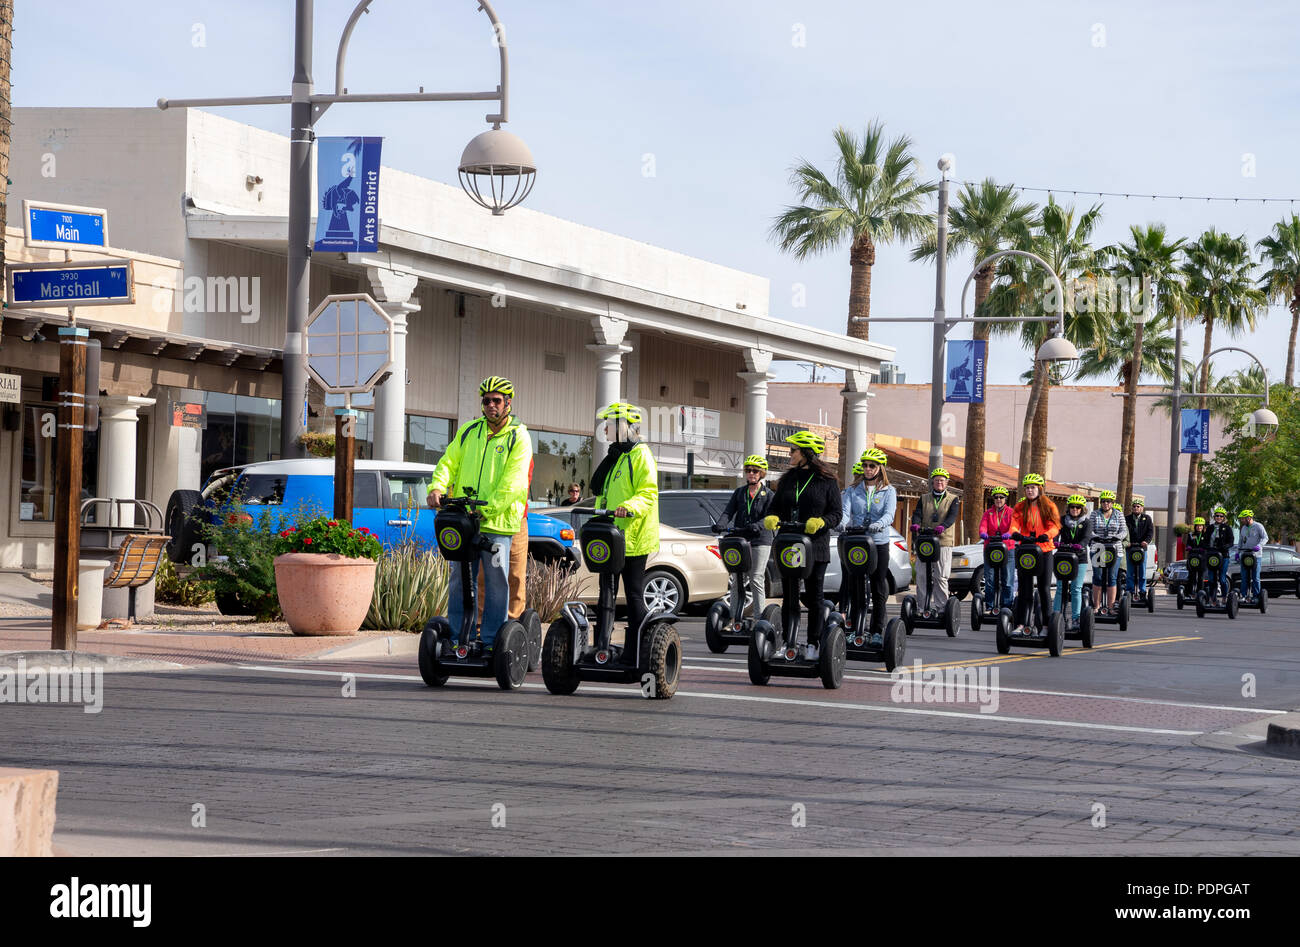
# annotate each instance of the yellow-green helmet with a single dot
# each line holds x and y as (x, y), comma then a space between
(874, 455)
(1244, 513)
(1199, 521)
(1138, 500)
(495, 383)
(1034, 479)
(808, 441)
(620, 410)
(939, 472)
(1076, 500)
(1220, 511)
(999, 492)
(753, 460)
(1105, 495)
(857, 468)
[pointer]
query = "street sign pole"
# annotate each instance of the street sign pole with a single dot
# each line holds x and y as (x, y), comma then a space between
(67, 485)
(345, 426)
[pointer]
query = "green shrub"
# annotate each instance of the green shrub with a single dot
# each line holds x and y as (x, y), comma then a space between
(243, 567)
(317, 443)
(410, 588)
(323, 536)
(1182, 529)
(171, 589)
(551, 584)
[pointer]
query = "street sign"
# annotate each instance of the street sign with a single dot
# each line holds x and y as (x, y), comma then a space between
(47, 285)
(349, 343)
(64, 226)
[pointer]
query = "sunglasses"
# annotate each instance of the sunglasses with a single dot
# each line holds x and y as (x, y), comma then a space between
(494, 401)
(753, 470)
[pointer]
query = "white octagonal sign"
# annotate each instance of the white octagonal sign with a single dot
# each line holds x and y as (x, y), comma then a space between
(349, 343)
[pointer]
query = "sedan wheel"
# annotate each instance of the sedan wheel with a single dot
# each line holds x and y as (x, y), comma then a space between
(664, 593)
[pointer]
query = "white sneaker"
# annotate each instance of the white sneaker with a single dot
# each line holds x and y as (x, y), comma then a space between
(811, 652)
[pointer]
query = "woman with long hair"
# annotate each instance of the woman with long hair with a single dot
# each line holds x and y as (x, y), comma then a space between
(1035, 520)
(874, 501)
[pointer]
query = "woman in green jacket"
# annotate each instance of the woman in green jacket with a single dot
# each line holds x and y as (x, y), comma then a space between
(627, 483)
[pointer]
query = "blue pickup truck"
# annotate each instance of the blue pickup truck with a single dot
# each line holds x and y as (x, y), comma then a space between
(388, 498)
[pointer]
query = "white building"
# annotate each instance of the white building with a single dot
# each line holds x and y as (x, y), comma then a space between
(574, 316)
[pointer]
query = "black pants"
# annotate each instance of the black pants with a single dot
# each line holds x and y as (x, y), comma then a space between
(1042, 584)
(812, 595)
(879, 588)
(634, 590)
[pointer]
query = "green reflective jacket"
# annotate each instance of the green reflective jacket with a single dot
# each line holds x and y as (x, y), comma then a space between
(494, 466)
(634, 484)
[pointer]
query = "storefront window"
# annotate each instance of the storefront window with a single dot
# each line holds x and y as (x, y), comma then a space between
(40, 458)
(558, 460)
(240, 430)
(426, 439)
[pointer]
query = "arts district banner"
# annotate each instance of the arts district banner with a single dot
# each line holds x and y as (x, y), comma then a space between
(1196, 430)
(347, 185)
(964, 379)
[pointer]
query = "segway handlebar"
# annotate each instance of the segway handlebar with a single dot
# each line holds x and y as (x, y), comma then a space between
(748, 531)
(608, 512)
(1040, 538)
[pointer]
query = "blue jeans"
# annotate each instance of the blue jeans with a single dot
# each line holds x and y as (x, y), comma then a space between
(1224, 587)
(1076, 594)
(1137, 575)
(1252, 575)
(496, 574)
(1008, 582)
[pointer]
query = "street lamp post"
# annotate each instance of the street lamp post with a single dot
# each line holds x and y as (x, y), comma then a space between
(940, 318)
(489, 163)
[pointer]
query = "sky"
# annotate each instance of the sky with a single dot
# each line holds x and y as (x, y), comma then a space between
(677, 123)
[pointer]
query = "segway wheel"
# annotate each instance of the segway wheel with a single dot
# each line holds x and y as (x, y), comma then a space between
(1085, 627)
(718, 616)
(1200, 606)
(430, 670)
(908, 612)
(772, 615)
(664, 647)
(510, 656)
(758, 672)
(558, 673)
(952, 617)
(833, 654)
(1233, 604)
(532, 623)
(1263, 600)
(1002, 631)
(1180, 600)
(894, 644)
(1056, 634)
(1151, 601)
(1125, 612)
(976, 611)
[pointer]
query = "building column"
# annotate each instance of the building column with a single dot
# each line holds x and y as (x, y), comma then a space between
(609, 351)
(118, 415)
(756, 377)
(853, 441)
(392, 290)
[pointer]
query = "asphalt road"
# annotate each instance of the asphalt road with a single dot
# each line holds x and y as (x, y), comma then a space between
(1143, 745)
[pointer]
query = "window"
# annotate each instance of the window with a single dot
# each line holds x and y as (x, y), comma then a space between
(40, 458)
(684, 512)
(262, 490)
(241, 430)
(1285, 557)
(404, 489)
(559, 460)
(365, 492)
(426, 439)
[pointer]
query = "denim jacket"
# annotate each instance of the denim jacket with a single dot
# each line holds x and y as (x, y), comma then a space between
(877, 516)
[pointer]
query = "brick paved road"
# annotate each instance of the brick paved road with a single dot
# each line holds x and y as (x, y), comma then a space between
(283, 762)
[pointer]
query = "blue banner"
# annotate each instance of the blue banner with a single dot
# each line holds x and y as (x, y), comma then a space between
(1196, 431)
(964, 378)
(347, 186)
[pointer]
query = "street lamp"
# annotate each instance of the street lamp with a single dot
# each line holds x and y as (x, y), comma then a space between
(497, 171)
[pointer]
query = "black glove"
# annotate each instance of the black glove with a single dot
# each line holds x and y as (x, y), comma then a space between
(1042, 538)
(1017, 537)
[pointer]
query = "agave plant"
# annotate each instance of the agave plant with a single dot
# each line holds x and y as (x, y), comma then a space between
(550, 585)
(410, 588)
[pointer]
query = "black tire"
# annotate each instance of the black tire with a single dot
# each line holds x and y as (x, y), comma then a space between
(664, 588)
(758, 672)
(558, 672)
(229, 603)
(977, 582)
(430, 670)
(772, 615)
(908, 612)
(1125, 612)
(976, 612)
(1233, 605)
(1002, 632)
(1180, 599)
(718, 616)
(665, 664)
(894, 644)
(1151, 600)
(532, 623)
(510, 656)
(1263, 600)
(1200, 606)
(1056, 634)
(1085, 627)
(831, 657)
(952, 617)
(184, 528)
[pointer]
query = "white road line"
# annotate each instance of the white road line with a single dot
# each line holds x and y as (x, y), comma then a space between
(634, 692)
(297, 851)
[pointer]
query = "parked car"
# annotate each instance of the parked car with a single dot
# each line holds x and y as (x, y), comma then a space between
(1279, 571)
(388, 498)
(695, 511)
(968, 569)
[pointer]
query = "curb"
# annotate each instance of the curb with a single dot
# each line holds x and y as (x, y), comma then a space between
(378, 646)
(41, 660)
(1284, 735)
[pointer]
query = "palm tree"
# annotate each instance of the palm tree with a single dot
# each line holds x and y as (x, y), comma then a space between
(1151, 255)
(1280, 251)
(876, 198)
(986, 219)
(1220, 291)
(1064, 242)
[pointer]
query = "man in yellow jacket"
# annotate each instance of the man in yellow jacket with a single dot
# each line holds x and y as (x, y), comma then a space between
(492, 456)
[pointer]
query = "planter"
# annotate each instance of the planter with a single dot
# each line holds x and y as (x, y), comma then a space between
(324, 594)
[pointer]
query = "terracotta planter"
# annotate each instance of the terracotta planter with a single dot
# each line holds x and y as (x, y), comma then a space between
(324, 594)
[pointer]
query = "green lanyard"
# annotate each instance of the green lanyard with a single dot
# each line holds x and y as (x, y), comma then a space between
(749, 501)
(871, 495)
(798, 491)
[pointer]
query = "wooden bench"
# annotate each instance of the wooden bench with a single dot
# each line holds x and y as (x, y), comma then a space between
(135, 563)
(134, 553)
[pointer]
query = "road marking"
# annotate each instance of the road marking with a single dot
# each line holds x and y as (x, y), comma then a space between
(1008, 658)
(303, 851)
(634, 692)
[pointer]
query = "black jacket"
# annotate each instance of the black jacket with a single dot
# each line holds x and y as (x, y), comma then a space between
(1140, 529)
(820, 498)
(1220, 537)
(742, 511)
(1079, 534)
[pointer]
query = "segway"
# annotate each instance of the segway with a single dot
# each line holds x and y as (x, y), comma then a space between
(1140, 598)
(1206, 583)
(775, 647)
(927, 552)
(720, 630)
(1250, 561)
(995, 555)
(1124, 607)
(651, 655)
(1039, 631)
(1065, 566)
(444, 653)
(858, 556)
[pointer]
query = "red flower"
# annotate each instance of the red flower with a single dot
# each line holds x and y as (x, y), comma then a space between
(307, 540)
(293, 529)
(363, 530)
(333, 523)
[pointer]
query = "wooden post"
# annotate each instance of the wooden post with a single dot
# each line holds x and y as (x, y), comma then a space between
(345, 429)
(67, 485)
